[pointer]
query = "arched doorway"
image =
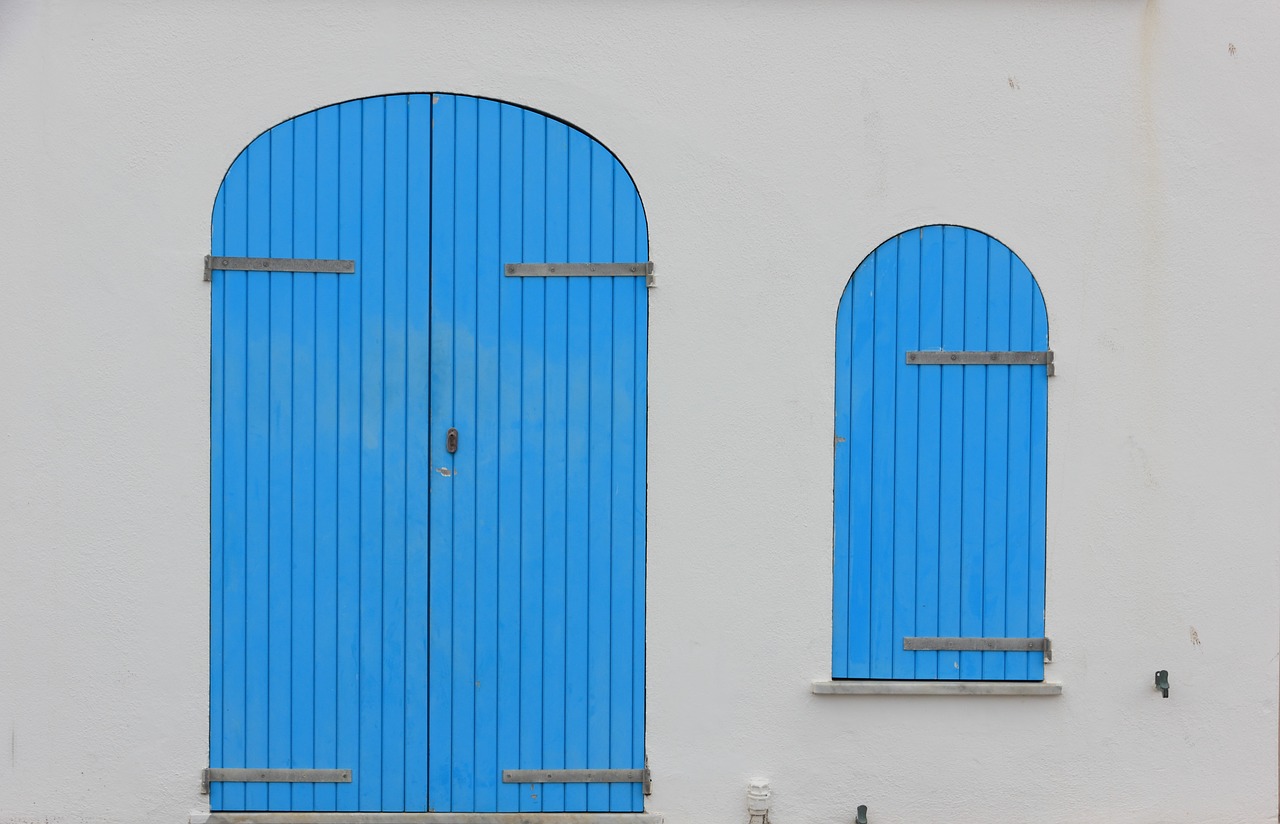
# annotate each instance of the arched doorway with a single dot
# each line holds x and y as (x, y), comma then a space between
(428, 473)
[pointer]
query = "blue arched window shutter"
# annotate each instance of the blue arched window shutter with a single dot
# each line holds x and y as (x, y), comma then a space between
(940, 467)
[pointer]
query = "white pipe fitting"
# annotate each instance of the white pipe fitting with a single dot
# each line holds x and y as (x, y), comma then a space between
(758, 800)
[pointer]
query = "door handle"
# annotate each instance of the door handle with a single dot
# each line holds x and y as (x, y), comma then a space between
(451, 441)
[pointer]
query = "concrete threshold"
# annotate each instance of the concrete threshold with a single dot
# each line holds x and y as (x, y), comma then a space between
(424, 818)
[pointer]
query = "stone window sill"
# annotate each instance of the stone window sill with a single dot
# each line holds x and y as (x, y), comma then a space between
(1031, 688)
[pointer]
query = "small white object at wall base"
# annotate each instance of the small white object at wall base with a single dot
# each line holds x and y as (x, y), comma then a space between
(758, 800)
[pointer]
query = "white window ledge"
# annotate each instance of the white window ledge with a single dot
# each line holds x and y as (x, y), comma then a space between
(936, 688)
(425, 818)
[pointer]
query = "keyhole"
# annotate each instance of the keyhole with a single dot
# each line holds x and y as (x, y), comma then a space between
(451, 441)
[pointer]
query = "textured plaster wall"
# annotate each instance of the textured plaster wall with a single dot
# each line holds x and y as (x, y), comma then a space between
(1125, 149)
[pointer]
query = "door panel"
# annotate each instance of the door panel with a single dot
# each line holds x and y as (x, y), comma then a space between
(319, 401)
(423, 618)
(536, 576)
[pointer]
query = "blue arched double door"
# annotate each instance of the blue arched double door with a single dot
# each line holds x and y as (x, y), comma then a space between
(421, 610)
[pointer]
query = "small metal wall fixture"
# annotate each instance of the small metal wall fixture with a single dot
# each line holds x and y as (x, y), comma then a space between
(1162, 682)
(862, 815)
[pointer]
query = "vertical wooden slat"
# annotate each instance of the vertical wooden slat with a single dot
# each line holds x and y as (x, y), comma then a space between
(858, 481)
(882, 458)
(974, 454)
(302, 724)
(577, 457)
(394, 399)
(350, 296)
(930, 450)
(1018, 476)
(600, 468)
(326, 458)
(510, 586)
(905, 455)
(640, 251)
(556, 470)
(417, 447)
(463, 481)
(257, 450)
(951, 461)
(280, 483)
(488, 287)
(228, 670)
(440, 646)
(532, 428)
(995, 535)
(217, 479)
(1038, 482)
(622, 452)
(372, 443)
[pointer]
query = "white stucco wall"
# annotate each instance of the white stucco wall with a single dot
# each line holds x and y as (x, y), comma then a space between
(1125, 150)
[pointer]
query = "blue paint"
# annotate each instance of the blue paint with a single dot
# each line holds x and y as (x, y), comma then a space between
(417, 452)
(556, 465)
(487, 763)
(350, 231)
(372, 267)
(427, 619)
(939, 471)
(303, 558)
(533, 328)
(577, 452)
(326, 458)
(258, 450)
(928, 507)
(396, 589)
(279, 475)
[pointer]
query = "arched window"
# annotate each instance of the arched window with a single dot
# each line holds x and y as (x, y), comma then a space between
(941, 364)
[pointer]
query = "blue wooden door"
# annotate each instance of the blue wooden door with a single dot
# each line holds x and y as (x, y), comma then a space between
(426, 618)
(537, 521)
(939, 470)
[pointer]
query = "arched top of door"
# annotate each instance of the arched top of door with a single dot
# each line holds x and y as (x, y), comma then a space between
(952, 250)
(529, 117)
